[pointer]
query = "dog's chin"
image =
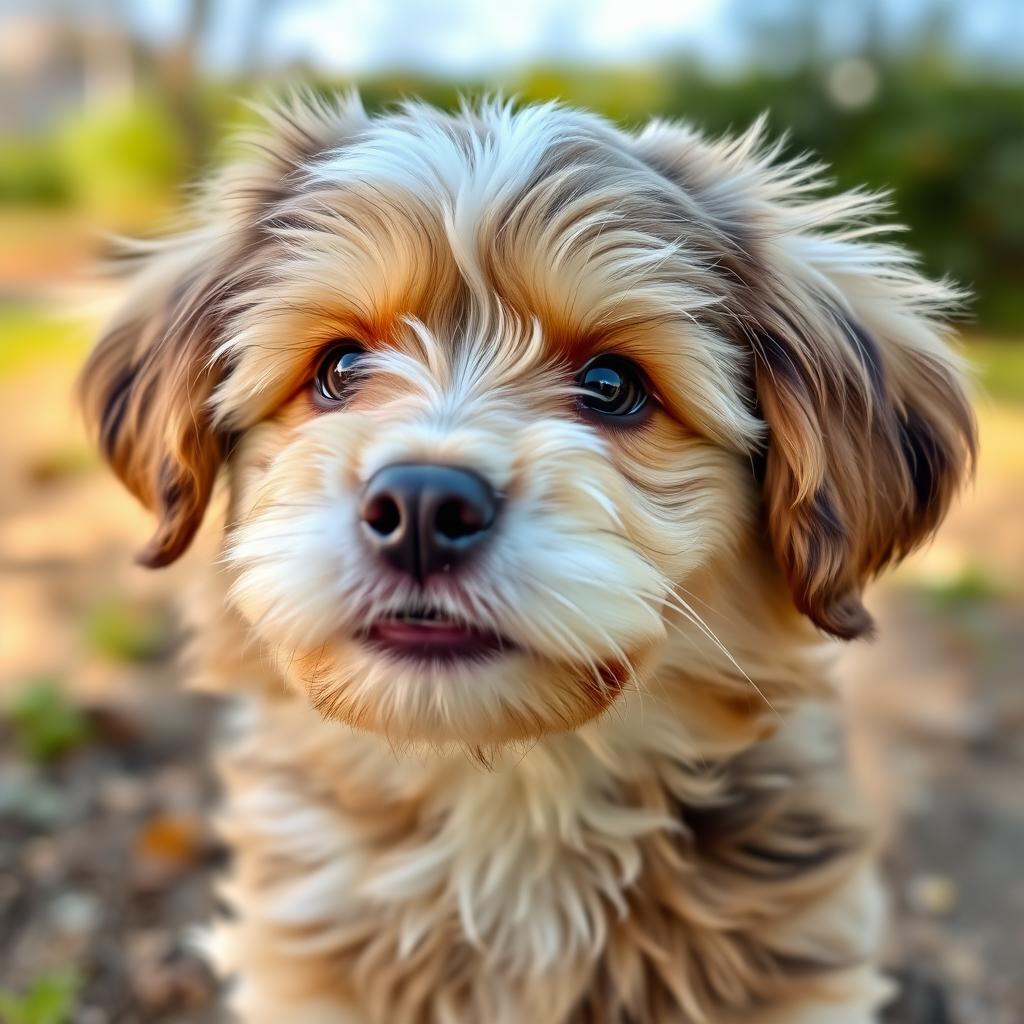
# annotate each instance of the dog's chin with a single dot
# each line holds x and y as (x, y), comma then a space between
(452, 685)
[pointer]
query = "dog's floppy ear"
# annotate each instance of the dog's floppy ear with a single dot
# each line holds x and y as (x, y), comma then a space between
(147, 385)
(869, 431)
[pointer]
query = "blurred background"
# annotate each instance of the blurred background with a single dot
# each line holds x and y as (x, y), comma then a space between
(108, 110)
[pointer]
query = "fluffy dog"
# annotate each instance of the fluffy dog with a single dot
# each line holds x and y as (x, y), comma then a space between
(552, 454)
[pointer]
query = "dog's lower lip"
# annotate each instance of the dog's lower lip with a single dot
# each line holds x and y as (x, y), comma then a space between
(434, 639)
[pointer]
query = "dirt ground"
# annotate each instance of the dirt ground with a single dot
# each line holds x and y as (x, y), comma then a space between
(105, 858)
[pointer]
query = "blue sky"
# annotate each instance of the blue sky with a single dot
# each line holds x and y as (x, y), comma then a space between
(472, 36)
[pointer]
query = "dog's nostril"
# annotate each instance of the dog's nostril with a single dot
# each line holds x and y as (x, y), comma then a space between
(382, 515)
(457, 518)
(424, 518)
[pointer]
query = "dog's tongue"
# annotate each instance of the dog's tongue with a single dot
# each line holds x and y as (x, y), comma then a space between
(433, 638)
(439, 632)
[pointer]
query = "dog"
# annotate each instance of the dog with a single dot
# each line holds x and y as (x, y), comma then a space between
(553, 458)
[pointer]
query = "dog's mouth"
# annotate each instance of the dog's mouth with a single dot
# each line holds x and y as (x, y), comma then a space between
(426, 632)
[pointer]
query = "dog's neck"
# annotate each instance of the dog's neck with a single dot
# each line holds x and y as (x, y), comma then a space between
(572, 813)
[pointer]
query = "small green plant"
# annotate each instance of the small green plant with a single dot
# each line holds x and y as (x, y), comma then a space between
(30, 334)
(126, 632)
(30, 173)
(973, 585)
(62, 463)
(44, 722)
(49, 999)
(999, 365)
(122, 163)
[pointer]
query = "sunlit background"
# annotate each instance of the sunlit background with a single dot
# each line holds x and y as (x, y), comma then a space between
(109, 109)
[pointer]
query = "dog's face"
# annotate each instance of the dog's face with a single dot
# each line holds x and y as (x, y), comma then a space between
(492, 389)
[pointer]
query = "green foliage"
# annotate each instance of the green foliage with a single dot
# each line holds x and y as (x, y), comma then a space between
(61, 463)
(30, 173)
(44, 722)
(122, 164)
(126, 632)
(949, 146)
(48, 1000)
(949, 149)
(29, 333)
(971, 586)
(999, 365)
(385, 90)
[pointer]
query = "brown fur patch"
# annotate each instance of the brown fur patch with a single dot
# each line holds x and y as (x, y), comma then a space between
(146, 387)
(870, 431)
(865, 454)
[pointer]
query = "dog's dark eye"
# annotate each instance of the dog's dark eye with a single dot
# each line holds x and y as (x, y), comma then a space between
(612, 386)
(338, 370)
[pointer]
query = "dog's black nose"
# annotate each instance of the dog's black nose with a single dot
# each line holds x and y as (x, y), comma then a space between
(425, 519)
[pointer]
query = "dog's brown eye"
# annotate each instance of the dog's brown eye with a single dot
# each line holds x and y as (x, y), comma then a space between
(338, 371)
(613, 386)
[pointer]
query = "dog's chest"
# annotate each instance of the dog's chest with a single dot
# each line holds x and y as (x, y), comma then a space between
(523, 860)
(555, 886)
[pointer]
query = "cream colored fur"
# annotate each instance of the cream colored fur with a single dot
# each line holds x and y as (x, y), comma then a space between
(640, 811)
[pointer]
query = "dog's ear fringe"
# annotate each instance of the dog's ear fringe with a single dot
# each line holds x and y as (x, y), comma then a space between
(147, 385)
(145, 391)
(869, 441)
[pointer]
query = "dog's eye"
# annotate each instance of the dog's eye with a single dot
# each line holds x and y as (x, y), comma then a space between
(338, 370)
(612, 386)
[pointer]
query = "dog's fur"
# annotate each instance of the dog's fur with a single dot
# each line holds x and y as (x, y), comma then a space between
(641, 813)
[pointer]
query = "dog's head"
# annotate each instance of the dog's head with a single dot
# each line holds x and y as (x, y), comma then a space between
(490, 389)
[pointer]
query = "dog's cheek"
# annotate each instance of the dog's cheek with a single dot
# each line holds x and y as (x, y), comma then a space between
(251, 460)
(578, 588)
(291, 538)
(693, 502)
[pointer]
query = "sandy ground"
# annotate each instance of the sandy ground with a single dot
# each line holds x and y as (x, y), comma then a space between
(105, 859)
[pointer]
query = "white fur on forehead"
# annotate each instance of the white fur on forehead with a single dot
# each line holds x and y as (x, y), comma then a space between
(426, 150)
(545, 189)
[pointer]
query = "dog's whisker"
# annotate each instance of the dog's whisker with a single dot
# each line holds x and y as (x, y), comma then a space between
(687, 610)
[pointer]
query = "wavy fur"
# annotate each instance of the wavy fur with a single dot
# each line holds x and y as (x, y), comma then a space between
(640, 813)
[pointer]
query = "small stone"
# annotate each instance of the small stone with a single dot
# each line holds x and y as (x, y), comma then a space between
(42, 860)
(177, 789)
(123, 795)
(965, 966)
(149, 946)
(10, 889)
(76, 913)
(932, 894)
(175, 983)
(116, 725)
(28, 798)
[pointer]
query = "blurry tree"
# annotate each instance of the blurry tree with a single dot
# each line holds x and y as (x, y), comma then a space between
(177, 66)
(890, 109)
